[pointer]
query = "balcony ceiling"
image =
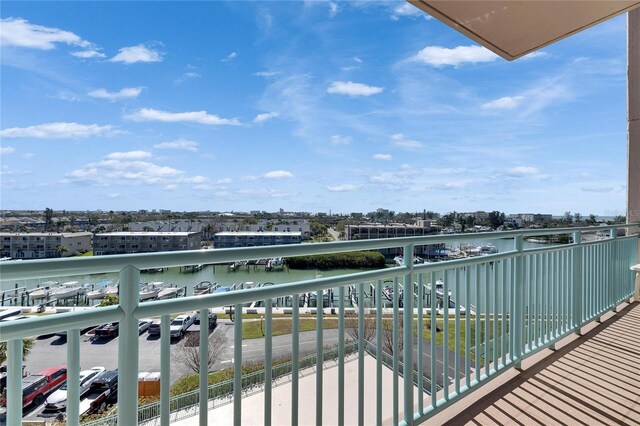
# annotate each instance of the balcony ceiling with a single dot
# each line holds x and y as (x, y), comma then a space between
(513, 29)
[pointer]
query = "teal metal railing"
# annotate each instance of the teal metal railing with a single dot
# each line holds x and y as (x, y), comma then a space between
(515, 303)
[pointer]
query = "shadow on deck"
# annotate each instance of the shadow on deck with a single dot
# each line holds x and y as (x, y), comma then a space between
(594, 379)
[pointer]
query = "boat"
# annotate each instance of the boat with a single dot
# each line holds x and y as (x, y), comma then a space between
(43, 292)
(170, 292)
(100, 293)
(151, 290)
(65, 290)
(204, 287)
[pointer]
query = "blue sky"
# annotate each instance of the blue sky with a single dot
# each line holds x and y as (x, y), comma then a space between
(303, 106)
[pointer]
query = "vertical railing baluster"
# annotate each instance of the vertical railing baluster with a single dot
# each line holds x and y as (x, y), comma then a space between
(504, 317)
(73, 377)
(577, 281)
(341, 355)
(165, 369)
(434, 326)
(407, 339)
(128, 341)
(14, 382)
(396, 366)
(487, 312)
(613, 275)
(477, 321)
(319, 356)
(237, 365)
(530, 301)
(553, 292)
(379, 352)
(539, 311)
(361, 343)
(268, 360)
(295, 358)
(518, 297)
(456, 361)
(467, 328)
(420, 342)
(203, 398)
(445, 336)
(496, 278)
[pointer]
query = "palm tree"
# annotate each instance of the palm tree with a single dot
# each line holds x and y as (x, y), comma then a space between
(27, 345)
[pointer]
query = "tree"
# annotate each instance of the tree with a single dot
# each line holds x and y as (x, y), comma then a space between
(48, 219)
(496, 219)
(387, 336)
(577, 218)
(27, 345)
(568, 218)
(189, 352)
(351, 325)
(592, 219)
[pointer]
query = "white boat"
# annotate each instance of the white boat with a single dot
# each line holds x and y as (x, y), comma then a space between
(65, 290)
(43, 292)
(170, 292)
(100, 293)
(151, 290)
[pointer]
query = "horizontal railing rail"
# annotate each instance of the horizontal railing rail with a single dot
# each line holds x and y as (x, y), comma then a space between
(523, 300)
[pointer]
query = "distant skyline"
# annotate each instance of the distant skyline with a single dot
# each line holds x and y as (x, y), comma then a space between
(306, 106)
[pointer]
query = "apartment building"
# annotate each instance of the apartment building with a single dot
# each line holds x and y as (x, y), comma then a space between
(144, 242)
(41, 245)
(255, 239)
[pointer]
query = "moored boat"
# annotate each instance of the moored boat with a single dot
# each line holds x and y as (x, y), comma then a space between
(65, 290)
(203, 287)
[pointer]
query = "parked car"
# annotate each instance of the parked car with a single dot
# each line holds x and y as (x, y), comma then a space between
(154, 328)
(58, 399)
(180, 324)
(143, 325)
(36, 386)
(107, 330)
(103, 391)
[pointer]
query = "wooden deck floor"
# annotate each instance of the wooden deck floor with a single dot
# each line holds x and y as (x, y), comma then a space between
(592, 380)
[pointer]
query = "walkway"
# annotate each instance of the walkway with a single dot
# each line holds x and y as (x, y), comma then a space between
(594, 379)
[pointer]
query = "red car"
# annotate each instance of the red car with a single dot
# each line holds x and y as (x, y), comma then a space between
(36, 386)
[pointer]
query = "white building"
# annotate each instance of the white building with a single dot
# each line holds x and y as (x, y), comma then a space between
(144, 242)
(255, 239)
(41, 245)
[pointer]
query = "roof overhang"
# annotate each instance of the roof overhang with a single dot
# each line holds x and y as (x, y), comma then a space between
(512, 28)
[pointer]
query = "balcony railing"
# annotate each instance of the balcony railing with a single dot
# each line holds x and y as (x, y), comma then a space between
(503, 307)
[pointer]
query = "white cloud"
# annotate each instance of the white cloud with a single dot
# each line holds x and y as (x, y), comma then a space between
(59, 130)
(266, 73)
(401, 141)
(126, 93)
(170, 187)
(265, 116)
(353, 89)
(89, 53)
(130, 155)
(19, 32)
(536, 54)
(521, 171)
(187, 76)
(441, 56)
(341, 140)
(333, 9)
(384, 157)
(598, 189)
(347, 187)
(7, 150)
(179, 144)
(201, 117)
(230, 57)
(224, 181)
(267, 193)
(126, 168)
(278, 174)
(138, 53)
(507, 102)
(114, 195)
(407, 9)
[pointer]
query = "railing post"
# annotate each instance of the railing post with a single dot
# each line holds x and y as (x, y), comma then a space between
(129, 295)
(519, 302)
(407, 338)
(165, 369)
(14, 382)
(577, 282)
(613, 274)
(73, 377)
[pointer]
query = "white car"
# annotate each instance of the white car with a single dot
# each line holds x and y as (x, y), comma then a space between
(58, 399)
(180, 324)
